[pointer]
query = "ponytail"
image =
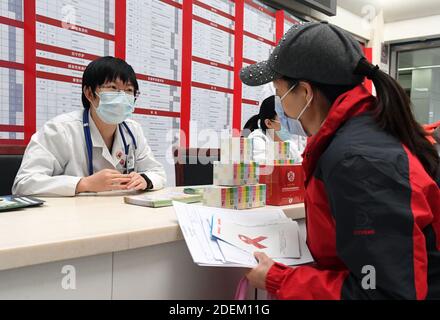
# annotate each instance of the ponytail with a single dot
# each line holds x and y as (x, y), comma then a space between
(267, 111)
(252, 123)
(394, 115)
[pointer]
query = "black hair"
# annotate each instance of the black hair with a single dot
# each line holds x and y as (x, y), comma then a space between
(106, 69)
(267, 111)
(392, 113)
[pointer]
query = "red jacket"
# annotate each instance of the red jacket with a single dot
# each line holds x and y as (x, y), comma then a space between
(369, 203)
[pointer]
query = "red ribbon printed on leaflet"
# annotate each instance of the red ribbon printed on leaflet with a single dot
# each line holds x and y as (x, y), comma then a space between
(255, 242)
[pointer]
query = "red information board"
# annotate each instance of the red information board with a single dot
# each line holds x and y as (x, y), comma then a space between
(187, 55)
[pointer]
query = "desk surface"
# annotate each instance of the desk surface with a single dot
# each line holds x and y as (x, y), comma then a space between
(67, 228)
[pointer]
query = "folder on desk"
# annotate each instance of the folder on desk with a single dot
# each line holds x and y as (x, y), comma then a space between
(9, 203)
(247, 232)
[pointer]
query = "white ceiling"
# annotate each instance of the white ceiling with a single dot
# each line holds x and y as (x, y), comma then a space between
(394, 10)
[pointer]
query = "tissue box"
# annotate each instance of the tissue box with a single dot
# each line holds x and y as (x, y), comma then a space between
(236, 150)
(285, 183)
(235, 174)
(239, 197)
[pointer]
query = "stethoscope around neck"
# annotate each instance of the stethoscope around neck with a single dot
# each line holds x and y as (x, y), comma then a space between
(89, 144)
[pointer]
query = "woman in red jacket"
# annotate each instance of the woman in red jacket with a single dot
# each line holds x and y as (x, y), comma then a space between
(372, 178)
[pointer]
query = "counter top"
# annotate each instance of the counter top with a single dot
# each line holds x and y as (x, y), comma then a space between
(68, 228)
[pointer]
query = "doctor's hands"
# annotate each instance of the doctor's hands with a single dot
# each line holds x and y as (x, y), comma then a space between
(257, 276)
(137, 182)
(104, 180)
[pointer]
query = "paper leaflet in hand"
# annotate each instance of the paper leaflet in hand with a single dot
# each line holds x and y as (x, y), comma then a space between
(278, 239)
(196, 223)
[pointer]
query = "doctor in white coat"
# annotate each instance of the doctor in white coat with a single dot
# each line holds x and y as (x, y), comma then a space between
(96, 149)
(265, 127)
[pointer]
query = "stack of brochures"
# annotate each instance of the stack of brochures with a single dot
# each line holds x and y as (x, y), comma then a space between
(229, 238)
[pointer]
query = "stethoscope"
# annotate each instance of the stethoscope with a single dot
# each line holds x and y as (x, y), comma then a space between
(89, 143)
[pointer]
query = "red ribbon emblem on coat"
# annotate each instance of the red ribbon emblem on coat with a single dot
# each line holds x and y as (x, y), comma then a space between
(254, 242)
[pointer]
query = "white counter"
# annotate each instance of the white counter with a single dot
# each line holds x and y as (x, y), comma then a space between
(65, 229)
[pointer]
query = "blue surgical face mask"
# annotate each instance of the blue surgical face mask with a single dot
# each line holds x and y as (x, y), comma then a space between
(284, 134)
(294, 126)
(115, 107)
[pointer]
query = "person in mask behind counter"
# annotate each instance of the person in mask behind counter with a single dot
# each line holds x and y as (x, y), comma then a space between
(95, 149)
(266, 127)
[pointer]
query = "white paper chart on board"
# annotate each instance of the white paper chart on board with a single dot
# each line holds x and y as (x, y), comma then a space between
(154, 41)
(212, 91)
(63, 52)
(258, 43)
(259, 19)
(11, 76)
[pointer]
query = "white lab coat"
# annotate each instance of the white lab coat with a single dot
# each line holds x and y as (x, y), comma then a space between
(260, 139)
(56, 157)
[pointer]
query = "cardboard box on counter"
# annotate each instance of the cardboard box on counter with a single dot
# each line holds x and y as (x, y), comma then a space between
(285, 183)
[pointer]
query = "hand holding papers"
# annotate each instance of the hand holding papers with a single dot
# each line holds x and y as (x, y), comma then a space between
(283, 242)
